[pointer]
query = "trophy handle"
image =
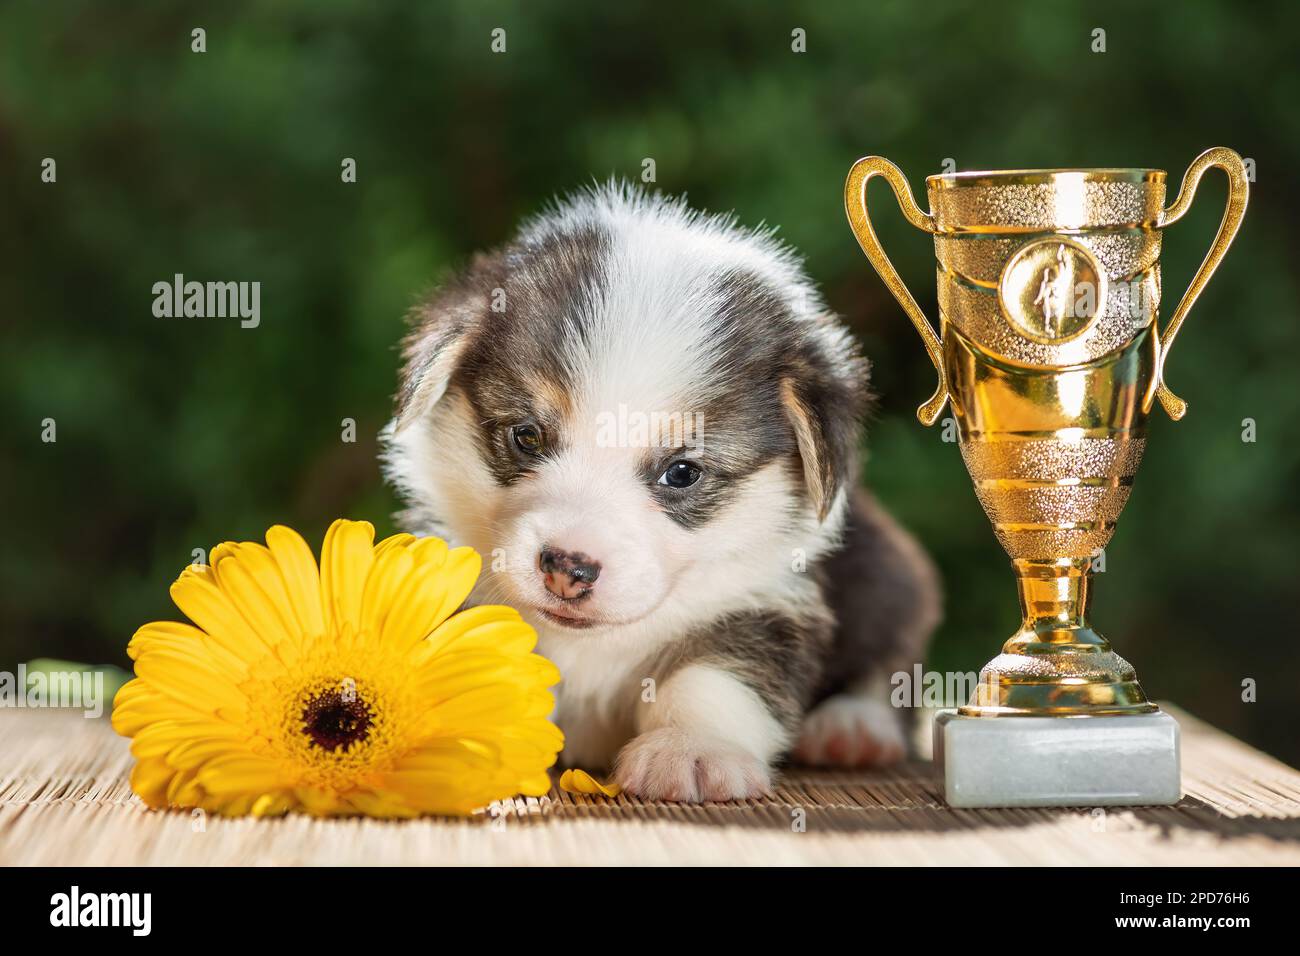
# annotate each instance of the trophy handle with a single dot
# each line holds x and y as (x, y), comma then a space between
(855, 204)
(1238, 192)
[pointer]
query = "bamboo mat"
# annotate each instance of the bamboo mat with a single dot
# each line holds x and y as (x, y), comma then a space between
(64, 800)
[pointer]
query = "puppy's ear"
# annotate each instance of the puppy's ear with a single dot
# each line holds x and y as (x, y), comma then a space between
(825, 397)
(441, 328)
(432, 355)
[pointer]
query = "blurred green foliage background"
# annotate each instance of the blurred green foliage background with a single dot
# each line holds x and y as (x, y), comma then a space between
(174, 434)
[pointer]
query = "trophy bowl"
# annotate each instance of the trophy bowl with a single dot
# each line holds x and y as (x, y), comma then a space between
(1050, 356)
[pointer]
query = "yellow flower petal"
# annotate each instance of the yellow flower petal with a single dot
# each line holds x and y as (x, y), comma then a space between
(319, 803)
(202, 748)
(345, 560)
(161, 737)
(300, 576)
(190, 642)
(579, 781)
(437, 792)
(183, 790)
(249, 576)
(236, 773)
(427, 596)
(381, 805)
(166, 632)
(149, 779)
(133, 711)
(538, 785)
(195, 592)
(393, 565)
(271, 805)
(186, 680)
(429, 550)
(491, 624)
(394, 541)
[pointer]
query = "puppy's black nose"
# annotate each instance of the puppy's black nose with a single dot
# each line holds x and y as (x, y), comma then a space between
(567, 574)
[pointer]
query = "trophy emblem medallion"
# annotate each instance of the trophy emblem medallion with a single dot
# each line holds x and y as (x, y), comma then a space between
(1051, 290)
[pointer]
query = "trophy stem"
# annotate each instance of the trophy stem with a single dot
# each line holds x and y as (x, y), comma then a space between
(1054, 597)
(1056, 664)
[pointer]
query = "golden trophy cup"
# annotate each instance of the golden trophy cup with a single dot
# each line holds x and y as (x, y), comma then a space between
(1049, 353)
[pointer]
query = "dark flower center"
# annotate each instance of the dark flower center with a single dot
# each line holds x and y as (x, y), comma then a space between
(333, 719)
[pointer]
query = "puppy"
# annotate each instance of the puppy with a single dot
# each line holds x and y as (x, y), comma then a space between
(647, 421)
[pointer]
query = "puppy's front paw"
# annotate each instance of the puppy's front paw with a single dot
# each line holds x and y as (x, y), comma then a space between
(849, 730)
(668, 764)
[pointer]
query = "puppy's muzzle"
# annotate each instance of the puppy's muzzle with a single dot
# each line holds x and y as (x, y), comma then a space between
(568, 575)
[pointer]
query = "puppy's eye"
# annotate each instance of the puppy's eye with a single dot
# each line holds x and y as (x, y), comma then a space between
(681, 474)
(527, 438)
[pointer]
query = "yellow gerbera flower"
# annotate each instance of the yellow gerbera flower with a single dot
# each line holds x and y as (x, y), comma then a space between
(352, 689)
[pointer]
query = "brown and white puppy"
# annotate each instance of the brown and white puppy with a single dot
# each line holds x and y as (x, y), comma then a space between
(647, 422)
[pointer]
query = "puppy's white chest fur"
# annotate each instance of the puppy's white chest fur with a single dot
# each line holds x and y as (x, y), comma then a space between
(597, 698)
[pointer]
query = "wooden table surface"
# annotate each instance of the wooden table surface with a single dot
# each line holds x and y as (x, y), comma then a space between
(64, 800)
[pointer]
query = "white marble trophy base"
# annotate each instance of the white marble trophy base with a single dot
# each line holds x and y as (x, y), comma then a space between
(1057, 761)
